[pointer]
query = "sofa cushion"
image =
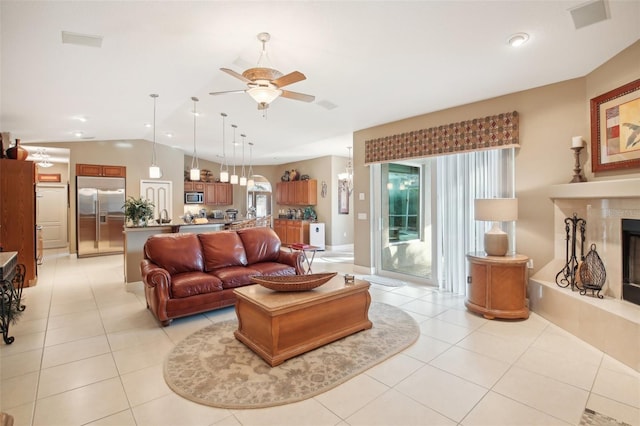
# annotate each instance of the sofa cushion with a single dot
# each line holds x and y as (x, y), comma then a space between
(261, 244)
(273, 269)
(235, 276)
(194, 283)
(222, 249)
(175, 252)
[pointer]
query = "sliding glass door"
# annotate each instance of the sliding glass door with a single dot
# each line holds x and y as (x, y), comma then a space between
(404, 219)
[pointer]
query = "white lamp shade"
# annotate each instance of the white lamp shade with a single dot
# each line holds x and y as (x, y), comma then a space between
(194, 174)
(243, 181)
(234, 179)
(154, 172)
(264, 94)
(496, 209)
(224, 177)
(251, 182)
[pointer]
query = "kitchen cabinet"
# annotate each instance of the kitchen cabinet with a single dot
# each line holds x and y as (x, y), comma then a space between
(497, 286)
(194, 186)
(100, 170)
(218, 194)
(18, 213)
(292, 231)
(297, 192)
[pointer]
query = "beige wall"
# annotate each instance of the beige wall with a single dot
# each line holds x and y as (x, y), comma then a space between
(549, 117)
(135, 155)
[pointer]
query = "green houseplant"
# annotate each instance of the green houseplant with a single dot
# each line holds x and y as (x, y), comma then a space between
(138, 210)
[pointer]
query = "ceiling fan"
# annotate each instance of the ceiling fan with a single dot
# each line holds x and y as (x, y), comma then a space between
(265, 83)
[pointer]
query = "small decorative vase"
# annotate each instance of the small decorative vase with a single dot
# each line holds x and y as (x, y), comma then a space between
(17, 152)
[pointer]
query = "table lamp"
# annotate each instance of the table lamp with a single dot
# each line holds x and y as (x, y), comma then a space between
(496, 241)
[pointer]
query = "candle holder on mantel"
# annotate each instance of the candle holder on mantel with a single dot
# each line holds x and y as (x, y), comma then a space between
(577, 170)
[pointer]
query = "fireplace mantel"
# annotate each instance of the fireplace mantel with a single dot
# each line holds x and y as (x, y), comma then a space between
(619, 188)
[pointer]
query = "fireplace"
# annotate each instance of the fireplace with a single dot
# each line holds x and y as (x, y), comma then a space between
(631, 260)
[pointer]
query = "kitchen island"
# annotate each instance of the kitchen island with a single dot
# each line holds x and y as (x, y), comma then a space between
(135, 237)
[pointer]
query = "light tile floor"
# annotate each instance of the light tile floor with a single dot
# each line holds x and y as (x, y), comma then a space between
(88, 352)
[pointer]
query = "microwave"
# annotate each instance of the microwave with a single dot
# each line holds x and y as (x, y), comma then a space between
(194, 197)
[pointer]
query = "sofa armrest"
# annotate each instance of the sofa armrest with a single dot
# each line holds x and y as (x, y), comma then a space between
(157, 289)
(294, 259)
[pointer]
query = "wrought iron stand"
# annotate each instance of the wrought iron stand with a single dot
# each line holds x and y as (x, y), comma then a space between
(567, 276)
(11, 283)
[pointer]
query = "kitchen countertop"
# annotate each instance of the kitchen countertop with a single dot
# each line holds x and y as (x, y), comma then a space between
(176, 226)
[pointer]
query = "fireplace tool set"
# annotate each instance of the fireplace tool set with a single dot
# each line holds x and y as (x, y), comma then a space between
(586, 272)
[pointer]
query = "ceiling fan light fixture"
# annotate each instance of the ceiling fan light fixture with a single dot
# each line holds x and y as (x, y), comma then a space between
(263, 94)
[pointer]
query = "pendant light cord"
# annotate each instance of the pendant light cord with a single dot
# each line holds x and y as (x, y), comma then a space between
(194, 159)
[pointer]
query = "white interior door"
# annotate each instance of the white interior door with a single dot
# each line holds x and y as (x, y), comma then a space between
(160, 193)
(52, 214)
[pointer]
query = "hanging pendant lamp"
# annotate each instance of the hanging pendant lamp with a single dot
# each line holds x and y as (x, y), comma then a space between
(194, 173)
(250, 181)
(224, 165)
(243, 178)
(234, 176)
(154, 169)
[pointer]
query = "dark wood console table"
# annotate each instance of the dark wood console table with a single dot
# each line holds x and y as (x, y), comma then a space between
(11, 283)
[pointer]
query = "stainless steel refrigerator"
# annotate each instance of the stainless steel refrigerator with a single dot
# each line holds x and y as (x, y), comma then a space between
(100, 215)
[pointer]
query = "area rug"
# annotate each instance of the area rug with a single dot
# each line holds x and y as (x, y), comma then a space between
(376, 279)
(212, 368)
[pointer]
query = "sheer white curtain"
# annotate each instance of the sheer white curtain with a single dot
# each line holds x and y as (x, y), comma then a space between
(461, 178)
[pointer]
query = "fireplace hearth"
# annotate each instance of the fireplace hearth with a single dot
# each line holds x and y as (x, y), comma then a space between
(631, 260)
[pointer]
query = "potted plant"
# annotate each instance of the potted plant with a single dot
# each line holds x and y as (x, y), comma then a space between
(138, 210)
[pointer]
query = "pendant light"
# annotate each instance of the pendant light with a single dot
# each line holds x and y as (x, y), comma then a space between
(250, 181)
(194, 173)
(224, 165)
(234, 176)
(243, 178)
(154, 170)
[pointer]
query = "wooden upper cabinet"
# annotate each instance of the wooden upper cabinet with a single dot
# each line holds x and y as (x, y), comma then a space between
(100, 170)
(297, 193)
(218, 194)
(194, 186)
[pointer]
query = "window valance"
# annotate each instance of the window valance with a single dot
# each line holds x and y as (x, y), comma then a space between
(492, 132)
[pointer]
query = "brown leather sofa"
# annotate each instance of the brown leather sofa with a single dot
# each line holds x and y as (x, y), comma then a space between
(185, 274)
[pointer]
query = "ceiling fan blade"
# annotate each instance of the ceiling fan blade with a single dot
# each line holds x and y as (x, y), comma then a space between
(227, 91)
(288, 79)
(235, 74)
(297, 96)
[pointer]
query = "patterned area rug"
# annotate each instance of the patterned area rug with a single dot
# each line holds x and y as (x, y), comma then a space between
(592, 418)
(211, 367)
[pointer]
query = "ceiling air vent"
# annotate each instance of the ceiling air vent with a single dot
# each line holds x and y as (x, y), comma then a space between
(81, 39)
(589, 13)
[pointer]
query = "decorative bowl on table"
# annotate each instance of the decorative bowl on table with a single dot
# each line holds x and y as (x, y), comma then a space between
(294, 282)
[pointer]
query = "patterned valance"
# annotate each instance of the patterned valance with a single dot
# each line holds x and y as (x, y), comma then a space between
(496, 131)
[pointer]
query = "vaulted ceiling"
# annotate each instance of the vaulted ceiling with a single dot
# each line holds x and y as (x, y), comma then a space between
(366, 62)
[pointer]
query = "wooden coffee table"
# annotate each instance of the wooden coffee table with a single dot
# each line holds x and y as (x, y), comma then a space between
(280, 325)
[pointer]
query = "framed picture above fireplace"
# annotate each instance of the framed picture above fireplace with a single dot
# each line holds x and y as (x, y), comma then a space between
(615, 129)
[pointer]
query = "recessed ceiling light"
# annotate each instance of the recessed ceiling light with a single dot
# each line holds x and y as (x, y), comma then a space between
(81, 118)
(78, 134)
(518, 39)
(169, 135)
(147, 125)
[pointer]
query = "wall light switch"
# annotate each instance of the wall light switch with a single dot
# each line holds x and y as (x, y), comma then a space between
(362, 216)
(361, 196)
